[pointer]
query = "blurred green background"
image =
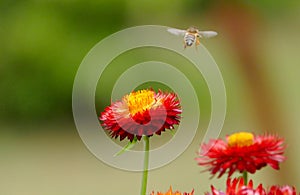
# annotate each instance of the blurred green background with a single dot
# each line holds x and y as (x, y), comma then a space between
(42, 43)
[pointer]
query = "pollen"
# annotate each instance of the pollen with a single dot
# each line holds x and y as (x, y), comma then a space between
(140, 101)
(241, 139)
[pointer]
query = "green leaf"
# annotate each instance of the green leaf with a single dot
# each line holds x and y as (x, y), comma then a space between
(127, 147)
(172, 132)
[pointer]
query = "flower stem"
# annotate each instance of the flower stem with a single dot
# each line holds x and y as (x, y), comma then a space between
(245, 176)
(146, 163)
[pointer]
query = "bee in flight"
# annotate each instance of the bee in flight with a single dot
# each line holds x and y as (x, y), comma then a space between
(192, 35)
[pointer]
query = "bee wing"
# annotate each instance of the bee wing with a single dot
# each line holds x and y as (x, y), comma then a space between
(207, 34)
(177, 32)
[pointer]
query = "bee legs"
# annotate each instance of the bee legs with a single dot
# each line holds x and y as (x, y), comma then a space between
(197, 41)
(184, 44)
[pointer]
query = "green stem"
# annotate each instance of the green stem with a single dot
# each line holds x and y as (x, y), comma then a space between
(245, 176)
(146, 163)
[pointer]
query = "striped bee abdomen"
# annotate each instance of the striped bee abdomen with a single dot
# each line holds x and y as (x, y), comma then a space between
(189, 39)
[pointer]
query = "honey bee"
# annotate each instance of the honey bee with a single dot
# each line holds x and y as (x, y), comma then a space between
(192, 35)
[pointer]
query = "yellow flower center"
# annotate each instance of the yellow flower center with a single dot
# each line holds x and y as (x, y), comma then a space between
(241, 139)
(140, 101)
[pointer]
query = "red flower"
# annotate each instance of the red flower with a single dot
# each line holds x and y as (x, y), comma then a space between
(242, 152)
(141, 113)
(173, 193)
(282, 190)
(238, 187)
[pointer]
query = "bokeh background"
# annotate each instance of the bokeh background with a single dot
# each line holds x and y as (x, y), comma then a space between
(42, 43)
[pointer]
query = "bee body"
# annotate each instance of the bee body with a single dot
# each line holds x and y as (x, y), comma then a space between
(192, 35)
(189, 39)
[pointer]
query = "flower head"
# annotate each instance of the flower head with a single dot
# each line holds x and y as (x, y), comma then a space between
(282, 190)
(173, 193)
(139, 113)
(238, 187)
(241, 152)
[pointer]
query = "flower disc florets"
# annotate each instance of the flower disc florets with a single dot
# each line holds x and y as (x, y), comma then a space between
(139, 113)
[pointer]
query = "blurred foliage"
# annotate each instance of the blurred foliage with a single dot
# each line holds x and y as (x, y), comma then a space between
(43, 42)
(267, 6)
